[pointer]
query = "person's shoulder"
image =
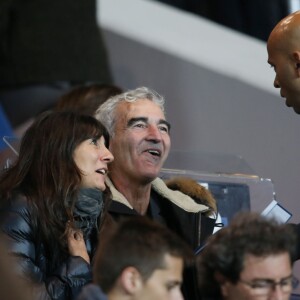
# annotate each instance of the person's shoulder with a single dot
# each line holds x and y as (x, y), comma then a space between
(17, 202)
(92, 292)
(16, 213)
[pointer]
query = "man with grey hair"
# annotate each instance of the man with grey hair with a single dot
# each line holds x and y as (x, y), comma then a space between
(140, 142)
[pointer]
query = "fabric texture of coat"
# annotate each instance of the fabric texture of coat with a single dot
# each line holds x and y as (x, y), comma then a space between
(20, 230)
(92, 292)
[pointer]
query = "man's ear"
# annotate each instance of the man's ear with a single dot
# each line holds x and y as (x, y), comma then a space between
(223, 283)
(131, 280)
(296, 56)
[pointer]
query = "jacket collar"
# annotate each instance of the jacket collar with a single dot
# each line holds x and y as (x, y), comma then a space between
(181, 200)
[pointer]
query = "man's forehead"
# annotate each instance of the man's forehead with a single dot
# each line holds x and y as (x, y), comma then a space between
(255, 264)
(140, 108)
(279, 44)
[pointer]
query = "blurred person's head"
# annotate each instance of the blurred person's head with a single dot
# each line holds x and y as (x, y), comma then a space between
(250, 259)
(141, 259)
(86, 99)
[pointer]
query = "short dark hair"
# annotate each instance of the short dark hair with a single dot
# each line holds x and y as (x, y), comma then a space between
(138, 242)
(248, 233)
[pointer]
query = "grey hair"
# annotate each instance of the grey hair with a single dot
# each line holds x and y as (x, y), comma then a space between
(106, 111)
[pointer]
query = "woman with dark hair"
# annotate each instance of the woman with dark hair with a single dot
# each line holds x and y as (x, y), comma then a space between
(51, 202)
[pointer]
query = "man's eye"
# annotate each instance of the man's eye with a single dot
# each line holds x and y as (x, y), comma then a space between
(287, 281)
(164, 129)
(140, 125)
(260, 284)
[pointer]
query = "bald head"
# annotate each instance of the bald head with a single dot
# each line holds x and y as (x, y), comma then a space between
(286, 31)
(284, 56)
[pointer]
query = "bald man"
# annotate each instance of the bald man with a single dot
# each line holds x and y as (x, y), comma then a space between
(284, 56)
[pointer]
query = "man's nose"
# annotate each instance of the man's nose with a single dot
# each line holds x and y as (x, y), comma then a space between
(154, 133)
(277, 294)
(276, 83)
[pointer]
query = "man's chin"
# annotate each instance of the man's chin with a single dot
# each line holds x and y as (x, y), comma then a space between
(296, 107)
(287, 103)
(150, 175)
(294, 103)
(297, 110)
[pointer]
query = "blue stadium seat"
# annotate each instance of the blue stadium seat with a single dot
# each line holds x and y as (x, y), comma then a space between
(5, 128)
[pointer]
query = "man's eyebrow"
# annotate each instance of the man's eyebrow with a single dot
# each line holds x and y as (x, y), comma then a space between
(144, 119)
(269, 279)
(134, 120)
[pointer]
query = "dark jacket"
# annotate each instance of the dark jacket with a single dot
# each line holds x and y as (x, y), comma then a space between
(21, 232)
(296, 229)
(92, 292)
(173, 208)
(180, 213)
(50, 40)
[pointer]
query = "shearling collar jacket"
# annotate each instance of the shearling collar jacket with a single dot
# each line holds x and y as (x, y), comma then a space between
(183, 201)
(176, 210)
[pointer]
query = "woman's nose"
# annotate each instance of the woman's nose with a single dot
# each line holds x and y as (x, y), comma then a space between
(107, 156)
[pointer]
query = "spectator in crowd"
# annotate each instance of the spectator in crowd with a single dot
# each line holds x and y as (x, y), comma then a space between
(86, 99)
(140, 142)
(51, 203)
(249, 259)
(139, 259)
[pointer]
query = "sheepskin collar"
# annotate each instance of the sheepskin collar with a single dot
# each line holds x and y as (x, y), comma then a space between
(176, 197)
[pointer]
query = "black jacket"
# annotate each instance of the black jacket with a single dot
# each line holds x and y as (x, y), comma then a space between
(19, 225)
(92, 292)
